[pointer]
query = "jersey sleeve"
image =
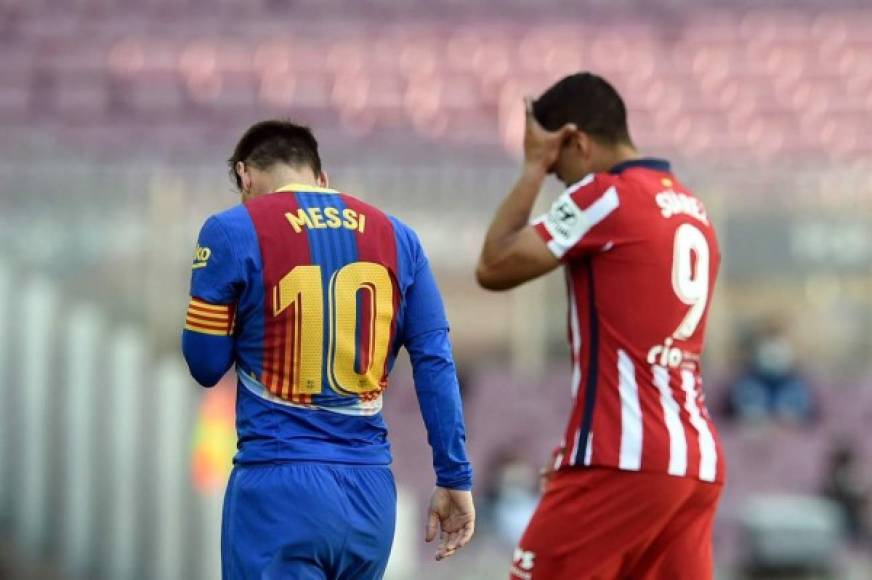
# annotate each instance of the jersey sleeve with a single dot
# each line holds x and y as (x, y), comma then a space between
(426, 339)
(216, 274)
(216, 281)
(425, 311)
(584, 220)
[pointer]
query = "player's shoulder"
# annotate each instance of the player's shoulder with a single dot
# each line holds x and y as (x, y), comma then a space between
(232, 219)
(594, 194)
(353, 201)
(408, 242)
(230, 216)
(402, 229)
(232, 228)
(626, 184)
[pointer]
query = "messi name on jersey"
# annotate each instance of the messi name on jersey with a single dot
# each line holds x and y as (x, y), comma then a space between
(328, 217)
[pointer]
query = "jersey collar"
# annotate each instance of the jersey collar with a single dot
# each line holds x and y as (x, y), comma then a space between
(645, 163)
(306, 188)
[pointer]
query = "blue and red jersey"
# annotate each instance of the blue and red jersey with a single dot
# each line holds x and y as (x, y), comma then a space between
(311, 293)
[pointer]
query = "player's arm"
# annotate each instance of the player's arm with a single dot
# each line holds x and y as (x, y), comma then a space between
(207, 338)
(452, 514)
(512, 252)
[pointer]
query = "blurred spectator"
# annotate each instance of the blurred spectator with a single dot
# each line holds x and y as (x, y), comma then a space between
(846, 485)
(511, 497)
(770, 384)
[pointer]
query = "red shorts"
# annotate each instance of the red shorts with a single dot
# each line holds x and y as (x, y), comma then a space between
(604, 524)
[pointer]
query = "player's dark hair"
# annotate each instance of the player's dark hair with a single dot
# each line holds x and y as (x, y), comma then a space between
(275, 141)
(588, 101)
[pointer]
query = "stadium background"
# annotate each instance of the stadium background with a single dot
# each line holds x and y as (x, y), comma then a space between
(116, 117)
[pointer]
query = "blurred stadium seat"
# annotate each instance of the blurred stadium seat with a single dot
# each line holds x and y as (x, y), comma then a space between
(766, 65)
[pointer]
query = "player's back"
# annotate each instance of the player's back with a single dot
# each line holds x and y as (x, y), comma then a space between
(641, 276)
(654, 283)
(317, 323)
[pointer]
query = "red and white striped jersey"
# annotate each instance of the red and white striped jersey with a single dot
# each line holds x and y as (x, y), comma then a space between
(641, 260)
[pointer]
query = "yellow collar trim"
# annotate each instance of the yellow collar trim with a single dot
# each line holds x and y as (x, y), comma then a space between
(306, 188)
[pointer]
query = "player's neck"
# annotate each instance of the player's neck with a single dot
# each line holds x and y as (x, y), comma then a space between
(616, 155)
(281, 176)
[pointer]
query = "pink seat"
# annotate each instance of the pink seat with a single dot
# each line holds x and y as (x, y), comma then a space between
(155, 94)
(14, 100)
(81, 96)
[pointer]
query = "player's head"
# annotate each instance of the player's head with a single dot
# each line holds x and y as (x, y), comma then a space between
(594, 106)
(273, 153)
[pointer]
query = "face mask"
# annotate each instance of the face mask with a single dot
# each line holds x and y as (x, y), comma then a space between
(774, 356)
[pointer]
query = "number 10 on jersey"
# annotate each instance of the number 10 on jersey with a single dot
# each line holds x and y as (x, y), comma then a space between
(302, 290)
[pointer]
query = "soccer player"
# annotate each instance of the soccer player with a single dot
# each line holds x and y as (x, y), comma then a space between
(310, 293)
(635, 483)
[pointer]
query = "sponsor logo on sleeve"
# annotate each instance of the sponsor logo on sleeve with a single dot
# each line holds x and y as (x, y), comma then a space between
(566, 221)
(201, 257)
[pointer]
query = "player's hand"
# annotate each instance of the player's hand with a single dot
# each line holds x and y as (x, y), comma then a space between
(542, 147)
(452, 517)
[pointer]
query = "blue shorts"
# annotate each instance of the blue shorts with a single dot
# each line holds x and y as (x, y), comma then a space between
(308, 521)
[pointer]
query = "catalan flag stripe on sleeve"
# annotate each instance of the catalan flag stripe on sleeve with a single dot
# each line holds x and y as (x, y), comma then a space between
(215, 319)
